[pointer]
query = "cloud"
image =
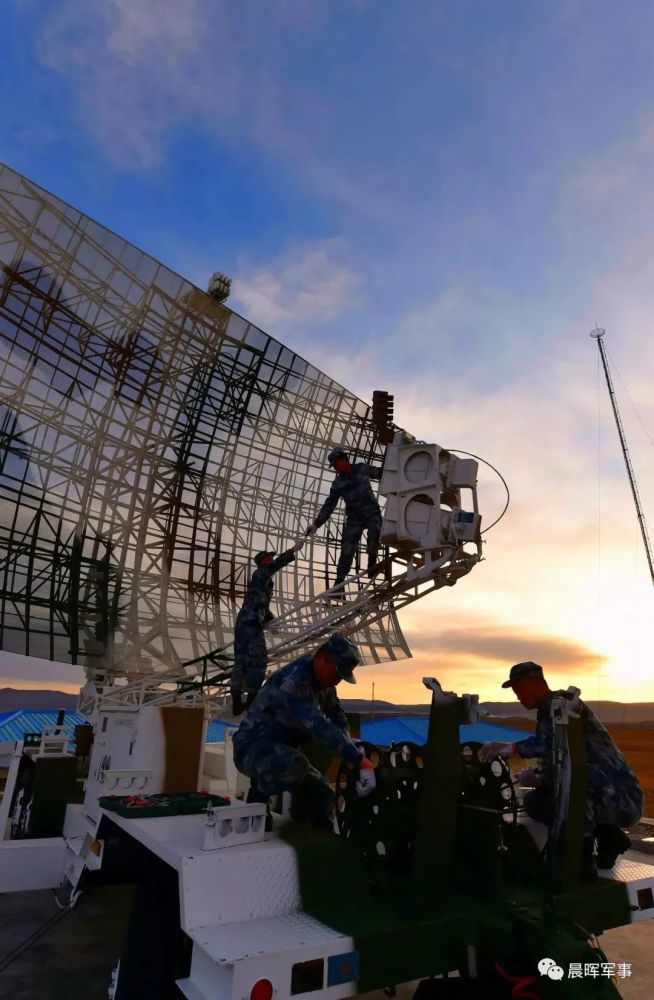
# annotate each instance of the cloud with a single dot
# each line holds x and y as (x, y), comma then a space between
(615, 173)
(139, 71)
(477, 660)
(130, 67)
(507, 645)
(306, 283)
(31, 672)
(474, 310)
(143, 73)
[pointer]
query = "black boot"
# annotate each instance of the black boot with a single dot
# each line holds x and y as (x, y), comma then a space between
(588, 872)
(375, 568)
(336, 592)
(611, 841)
(313, 802)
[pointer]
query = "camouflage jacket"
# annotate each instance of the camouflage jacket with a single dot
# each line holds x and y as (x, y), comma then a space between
(355, 492)
(289, 709)
(256, 606)
(601, 751)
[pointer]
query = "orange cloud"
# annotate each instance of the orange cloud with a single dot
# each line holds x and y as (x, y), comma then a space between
(496, 644)
(477, 660)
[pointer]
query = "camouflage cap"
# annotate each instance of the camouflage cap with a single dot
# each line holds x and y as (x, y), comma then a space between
(344, 654)
(336, 453)
(519, 671)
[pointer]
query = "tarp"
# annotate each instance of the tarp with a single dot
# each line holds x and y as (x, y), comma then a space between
(390, 729)
(14, 725)
(216, 730)
(395, 728)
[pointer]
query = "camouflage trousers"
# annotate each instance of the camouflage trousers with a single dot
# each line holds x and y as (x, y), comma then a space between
(353, 529)
(614, 800)
(277, 767)
(250, 658)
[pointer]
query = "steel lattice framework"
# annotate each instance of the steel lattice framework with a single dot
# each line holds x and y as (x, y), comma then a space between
(151, 440)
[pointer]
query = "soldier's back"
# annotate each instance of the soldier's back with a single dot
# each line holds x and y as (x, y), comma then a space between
(274, 710)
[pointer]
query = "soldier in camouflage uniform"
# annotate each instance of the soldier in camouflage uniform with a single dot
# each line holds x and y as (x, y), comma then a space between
(250, 654)
(614, 798)
(362, 513)
(298, 702)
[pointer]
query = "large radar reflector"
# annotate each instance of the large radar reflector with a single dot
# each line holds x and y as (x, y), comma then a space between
(152, 442)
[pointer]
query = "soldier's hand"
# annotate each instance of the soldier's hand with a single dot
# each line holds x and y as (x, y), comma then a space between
(495, 748)
(529, 777)
(299, 545)
(311, 530)
(237, 703)
(367, 781)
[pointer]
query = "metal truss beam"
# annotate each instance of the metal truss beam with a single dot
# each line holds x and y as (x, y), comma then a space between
(150, 441)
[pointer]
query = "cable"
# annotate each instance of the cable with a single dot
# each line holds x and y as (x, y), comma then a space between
(32, 938)
(598, 335)
(635, 408)
(461, 451)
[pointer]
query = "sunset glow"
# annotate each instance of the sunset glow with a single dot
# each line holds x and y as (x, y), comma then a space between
(441, 206)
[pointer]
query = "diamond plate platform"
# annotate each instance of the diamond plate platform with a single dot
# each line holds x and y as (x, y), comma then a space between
(229, 943)
(639, 881)
(229, 959)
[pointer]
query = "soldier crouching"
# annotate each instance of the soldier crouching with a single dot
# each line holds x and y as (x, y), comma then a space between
(299, 702)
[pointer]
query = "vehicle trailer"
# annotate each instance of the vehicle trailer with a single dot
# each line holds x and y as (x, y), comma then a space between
(436, 876)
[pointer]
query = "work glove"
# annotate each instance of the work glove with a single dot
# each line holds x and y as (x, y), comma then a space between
(529, 777)
(311, 530)
(298, 545)
(495, 748)
(367, 781)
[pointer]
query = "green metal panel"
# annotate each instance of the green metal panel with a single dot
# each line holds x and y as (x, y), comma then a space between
(439, 799)
(54, 786)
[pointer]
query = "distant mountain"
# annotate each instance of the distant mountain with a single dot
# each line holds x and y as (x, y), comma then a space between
(12, 699)
(381, 707)
(635, 713)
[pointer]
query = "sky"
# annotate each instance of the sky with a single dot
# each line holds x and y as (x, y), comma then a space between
(440, 199)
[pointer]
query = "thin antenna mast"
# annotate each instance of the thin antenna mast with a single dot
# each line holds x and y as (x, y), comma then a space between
(597, 335)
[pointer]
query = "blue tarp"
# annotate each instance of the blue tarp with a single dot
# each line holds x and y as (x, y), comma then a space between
(391, 729)
(216, 730)
(14, 725)
(395, 728)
